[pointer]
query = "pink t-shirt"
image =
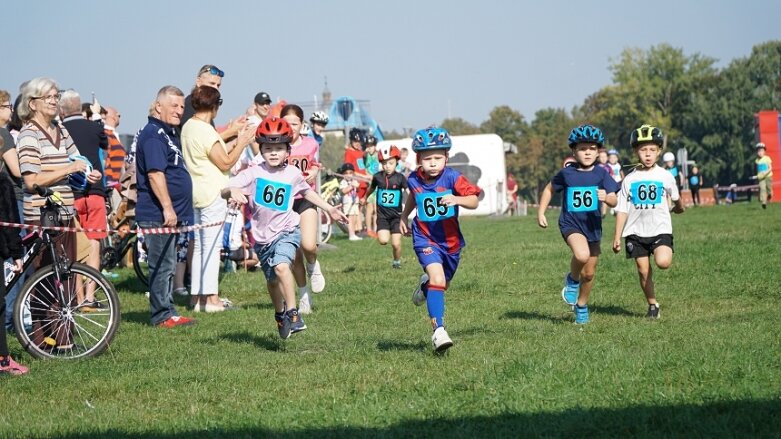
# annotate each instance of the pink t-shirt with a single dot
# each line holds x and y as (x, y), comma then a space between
(270, 192)
(304, 155)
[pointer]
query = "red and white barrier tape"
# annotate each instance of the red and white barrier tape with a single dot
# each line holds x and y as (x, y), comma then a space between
(151, 231)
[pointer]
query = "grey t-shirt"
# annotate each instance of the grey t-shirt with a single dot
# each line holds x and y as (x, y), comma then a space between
(8, 144)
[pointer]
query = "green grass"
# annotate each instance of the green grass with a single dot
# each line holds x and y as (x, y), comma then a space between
(519, 367)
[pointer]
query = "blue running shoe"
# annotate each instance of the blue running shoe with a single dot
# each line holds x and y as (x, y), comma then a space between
(570, 291)
(296, 321)
(283, 325)
(581, 314)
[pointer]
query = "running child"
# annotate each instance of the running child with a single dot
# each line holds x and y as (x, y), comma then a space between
(437, 192)
(643, 218)
(389, 184)
(669, 164)
(349, 187)
(269, 189)
(584, 186)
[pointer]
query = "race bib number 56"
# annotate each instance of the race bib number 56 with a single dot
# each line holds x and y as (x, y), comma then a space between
(432, 208)
(272, 194)
(582, 199)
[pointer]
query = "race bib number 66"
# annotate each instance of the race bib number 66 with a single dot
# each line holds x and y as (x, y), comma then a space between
(582, 199)
(272, 194)
(432, 208)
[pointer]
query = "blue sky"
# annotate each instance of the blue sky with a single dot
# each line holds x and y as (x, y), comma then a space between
(416, 61)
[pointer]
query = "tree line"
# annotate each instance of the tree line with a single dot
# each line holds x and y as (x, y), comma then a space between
(707, 110)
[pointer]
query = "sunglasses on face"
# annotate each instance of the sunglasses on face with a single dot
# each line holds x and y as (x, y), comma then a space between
(214, 71)
(219, 102)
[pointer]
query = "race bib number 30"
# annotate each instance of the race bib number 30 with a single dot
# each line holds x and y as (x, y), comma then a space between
(582, 199)
(646, 193)
(389, 197)
(432, 208)
(272, 194)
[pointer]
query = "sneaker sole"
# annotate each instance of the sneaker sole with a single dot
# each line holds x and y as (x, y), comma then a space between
(443, 347)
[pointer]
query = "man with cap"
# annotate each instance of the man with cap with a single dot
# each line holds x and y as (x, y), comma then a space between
(262, 105)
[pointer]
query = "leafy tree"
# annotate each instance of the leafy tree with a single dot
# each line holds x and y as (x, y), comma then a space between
(459, 127)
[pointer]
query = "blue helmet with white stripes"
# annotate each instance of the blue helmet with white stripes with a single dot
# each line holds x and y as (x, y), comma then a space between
(431, 138)
(586, 134)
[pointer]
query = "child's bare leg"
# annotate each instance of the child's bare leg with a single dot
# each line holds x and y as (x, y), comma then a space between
(396, 244)
(275, 292)
(383, 236)
(287, 284)
(663, 256)
(645, 272)
(580, 254)
(587, 280)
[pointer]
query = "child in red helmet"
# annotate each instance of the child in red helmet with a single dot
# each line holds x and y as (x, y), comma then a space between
(269, 189)
(389, 185)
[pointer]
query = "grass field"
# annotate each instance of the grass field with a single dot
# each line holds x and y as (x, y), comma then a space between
(709, 368)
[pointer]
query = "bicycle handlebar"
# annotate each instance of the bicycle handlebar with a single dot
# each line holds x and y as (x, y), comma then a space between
(43, 191)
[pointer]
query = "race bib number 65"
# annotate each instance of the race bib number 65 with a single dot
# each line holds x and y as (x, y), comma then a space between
(582, 199)
(272, 194)
(432, 208)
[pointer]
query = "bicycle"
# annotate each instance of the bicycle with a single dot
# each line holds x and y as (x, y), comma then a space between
(114, 250)
(329, 191)
(52, 317)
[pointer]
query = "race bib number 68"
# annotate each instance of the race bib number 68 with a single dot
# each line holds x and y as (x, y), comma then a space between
(272, 194)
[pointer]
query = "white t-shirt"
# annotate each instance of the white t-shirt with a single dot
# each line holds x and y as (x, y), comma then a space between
(643, 198)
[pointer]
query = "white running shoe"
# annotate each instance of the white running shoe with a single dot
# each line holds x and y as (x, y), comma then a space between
(316, 279)
(441, 340)
(304, 305)
(355, 238)
(418, 298)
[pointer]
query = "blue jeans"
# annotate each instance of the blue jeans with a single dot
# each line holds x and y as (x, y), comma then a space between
(161, 254)
(10, 298)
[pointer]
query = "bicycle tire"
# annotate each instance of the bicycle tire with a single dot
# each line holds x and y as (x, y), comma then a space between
(88, 330)
(140, 267)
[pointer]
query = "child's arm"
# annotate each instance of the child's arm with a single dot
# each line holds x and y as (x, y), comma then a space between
(545, 197)
(314, 198)
(620, 223)
(467, 201)
(368, 192)
(678, 206)
(609, 199)
(408, 208)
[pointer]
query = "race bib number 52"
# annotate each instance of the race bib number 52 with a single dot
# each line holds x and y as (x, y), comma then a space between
(582, 199)
(432, 208)
(272, 194)
(389, 197)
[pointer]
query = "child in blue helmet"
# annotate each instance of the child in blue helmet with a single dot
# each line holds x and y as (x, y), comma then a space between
(583, 186)
(437, 192)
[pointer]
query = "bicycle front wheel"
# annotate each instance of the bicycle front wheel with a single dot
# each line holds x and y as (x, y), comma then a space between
(326, 226)
(54, 319)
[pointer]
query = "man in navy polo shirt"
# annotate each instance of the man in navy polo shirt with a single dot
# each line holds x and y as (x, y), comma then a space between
(165, 194)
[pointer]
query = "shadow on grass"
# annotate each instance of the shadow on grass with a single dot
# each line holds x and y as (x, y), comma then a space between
(526, 315)
(141, 317)
(614, 310)
(395, 345)
(718, 419)
(261, 341)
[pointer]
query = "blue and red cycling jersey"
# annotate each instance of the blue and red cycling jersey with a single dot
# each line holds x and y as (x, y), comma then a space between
(436, 223)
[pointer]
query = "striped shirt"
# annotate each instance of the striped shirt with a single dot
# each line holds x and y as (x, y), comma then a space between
(40, 153)
(115, 159)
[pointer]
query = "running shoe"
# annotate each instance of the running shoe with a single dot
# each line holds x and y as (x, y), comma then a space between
(581, 314)
(396, 264)
(296, 321)
(283, 325)
(653, 311)
(304, 304)
(570, 291)
(418, 296)
(441, 340)
(175, 321)
(316, 279)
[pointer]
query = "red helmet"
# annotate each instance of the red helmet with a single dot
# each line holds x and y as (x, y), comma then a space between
(388, 152)
(274, 130)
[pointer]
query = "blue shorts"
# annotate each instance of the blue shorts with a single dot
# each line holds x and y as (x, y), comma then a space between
(281, 251)
(436, 255)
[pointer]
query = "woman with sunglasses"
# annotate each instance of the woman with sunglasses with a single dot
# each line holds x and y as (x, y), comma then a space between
(208, 160)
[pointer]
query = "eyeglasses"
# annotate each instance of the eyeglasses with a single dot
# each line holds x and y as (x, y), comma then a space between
(54, 97)
(213, 70)
(8, 106)
(219, 102)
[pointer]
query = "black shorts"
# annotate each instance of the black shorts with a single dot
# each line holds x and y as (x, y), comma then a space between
(388, 223)
(302, 204)
(637, 247)
(594, 248)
